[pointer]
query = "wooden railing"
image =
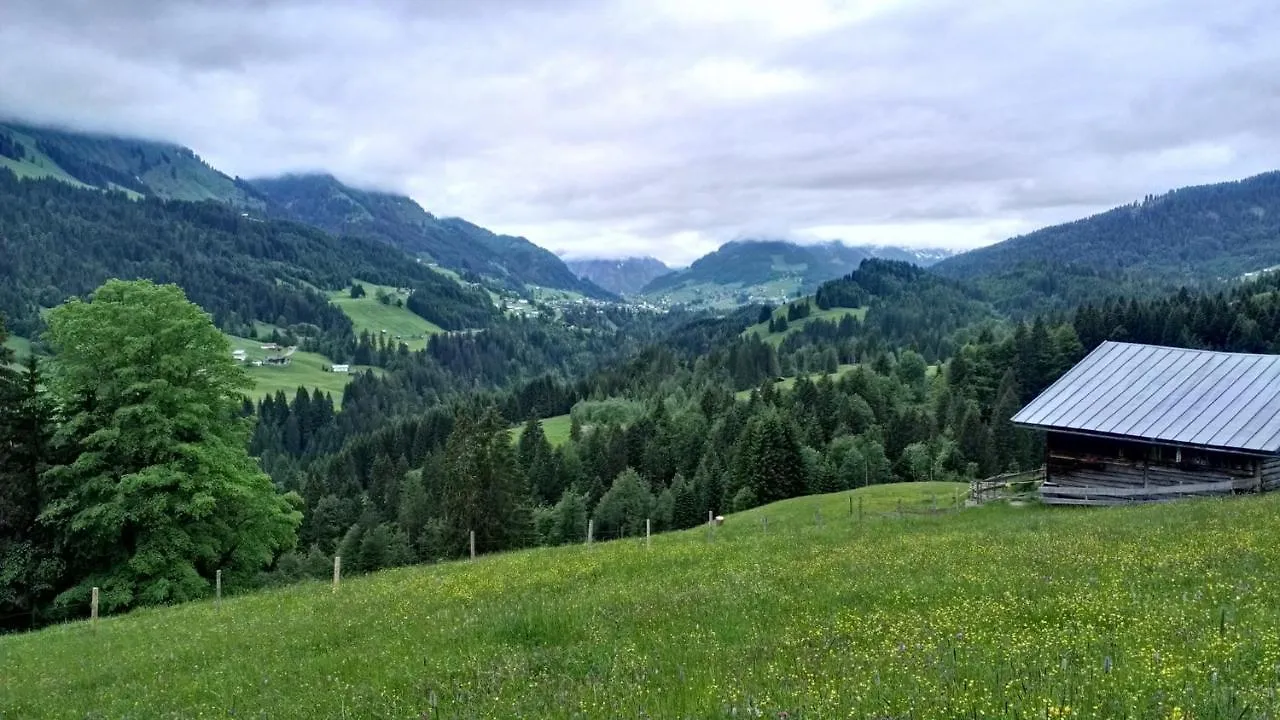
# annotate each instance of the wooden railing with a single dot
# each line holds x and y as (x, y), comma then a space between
(1009, 486)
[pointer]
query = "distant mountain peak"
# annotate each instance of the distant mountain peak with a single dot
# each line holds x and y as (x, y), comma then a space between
(622, 276)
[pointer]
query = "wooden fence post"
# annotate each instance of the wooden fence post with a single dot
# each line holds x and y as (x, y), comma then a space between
(850, 504)
(473, 544)
(591, 530)
(764, 523)
(817, 516)
(93, 608)
(859, 509)
(337, 572)
(900, 507)
(648, 528)
(217, 590)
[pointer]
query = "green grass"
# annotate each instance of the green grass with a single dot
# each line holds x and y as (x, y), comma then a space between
(829, 315)
(790, 382)
(20, 346)
(555, 428)
(305, 370)
(37, 165)
(367, 313)
(1162, 611)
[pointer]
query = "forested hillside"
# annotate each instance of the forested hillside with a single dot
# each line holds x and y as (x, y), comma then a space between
(145, 168)
(60, 241)
(1192, 236)
(757, 263)
(148, 168)
(322, 201)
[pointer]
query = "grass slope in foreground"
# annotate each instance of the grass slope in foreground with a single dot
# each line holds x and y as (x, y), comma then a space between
(367, 313)
(1152, 612)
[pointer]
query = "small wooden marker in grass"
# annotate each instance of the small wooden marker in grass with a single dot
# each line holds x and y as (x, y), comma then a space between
(851, 504)
(473, 544)
(859, 509)
(647, 528)
(900, 508)
(591, 531)
(337, 571)
(93, 608)
(764, 523)
(217, 590)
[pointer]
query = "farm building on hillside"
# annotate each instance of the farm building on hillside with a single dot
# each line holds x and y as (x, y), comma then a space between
(1137, 423)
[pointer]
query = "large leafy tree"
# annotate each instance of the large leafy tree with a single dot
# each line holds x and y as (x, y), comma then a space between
(161, 490)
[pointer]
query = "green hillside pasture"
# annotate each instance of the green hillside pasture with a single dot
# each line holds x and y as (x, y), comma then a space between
(790, 382)
(20, 346)
(1163, 611)
(555, 428)
(829, 315)
(367, 313)
(305, 370)
(41, 167)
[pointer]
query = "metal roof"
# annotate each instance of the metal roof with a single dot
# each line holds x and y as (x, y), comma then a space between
(1208, 399)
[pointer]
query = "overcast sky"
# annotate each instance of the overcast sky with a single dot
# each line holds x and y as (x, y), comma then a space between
(667, 127)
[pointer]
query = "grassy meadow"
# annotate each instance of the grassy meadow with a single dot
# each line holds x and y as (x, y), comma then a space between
(790, 382)
(1164, 611)
(305, 370)
(367, 313)
(21, 347)
(555, 428)
(829, 315)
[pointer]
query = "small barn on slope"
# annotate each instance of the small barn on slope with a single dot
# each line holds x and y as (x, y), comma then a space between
(1140, 423)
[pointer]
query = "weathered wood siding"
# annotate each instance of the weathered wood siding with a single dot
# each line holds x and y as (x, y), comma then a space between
(1084, 472)
(1271, 474)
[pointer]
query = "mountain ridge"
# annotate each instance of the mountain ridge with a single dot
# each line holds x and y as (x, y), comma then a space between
(168, 171)
(622, 276)
(1194, 235)
(771, 270)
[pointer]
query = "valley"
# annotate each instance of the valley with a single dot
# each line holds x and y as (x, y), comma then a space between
(834, 404)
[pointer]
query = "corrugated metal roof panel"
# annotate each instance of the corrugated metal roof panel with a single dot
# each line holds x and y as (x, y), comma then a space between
(1172, 395)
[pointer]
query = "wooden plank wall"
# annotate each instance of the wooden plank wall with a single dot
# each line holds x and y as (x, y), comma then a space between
(1074, 479)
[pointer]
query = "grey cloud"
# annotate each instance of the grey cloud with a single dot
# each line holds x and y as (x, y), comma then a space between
(667, 127)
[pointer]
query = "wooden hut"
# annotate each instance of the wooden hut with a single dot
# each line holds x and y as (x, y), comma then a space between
(1141, 423)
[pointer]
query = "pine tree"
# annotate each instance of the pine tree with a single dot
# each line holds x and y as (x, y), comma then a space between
(570, 513)
(768, 459)
(483, 489)
(1005, 438)
(415, 510)
(624, 508)
(685, 513)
